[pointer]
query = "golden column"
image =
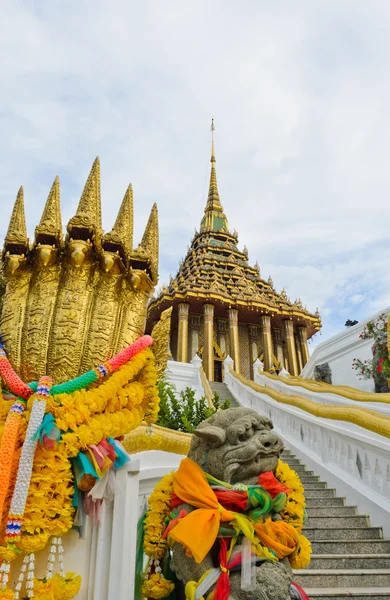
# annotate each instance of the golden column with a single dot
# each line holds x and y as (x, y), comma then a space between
(233, 338)
(299, 352)
(277, 336)
(253, 346)
(302, 332)
(182, 342)
(290, 343)
(208, 351)
(265, 321)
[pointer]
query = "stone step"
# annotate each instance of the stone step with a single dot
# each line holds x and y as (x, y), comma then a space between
(331, 511)
(300, 469)
(348, 593)
(329, 501)
(342, 578)
(294, 463)
(349, 561)
(338, 522)
(320, 493)
(350, 547)
(316, 485)
(346, 533)
(305, 479)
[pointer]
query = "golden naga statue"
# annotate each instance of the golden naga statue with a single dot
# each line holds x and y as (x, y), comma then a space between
(70, 304)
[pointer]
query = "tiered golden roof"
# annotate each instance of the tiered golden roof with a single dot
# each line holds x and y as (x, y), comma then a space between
(215, 270)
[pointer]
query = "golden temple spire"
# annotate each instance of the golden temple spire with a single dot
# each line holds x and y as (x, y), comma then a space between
(17, 230)
(51, 222)
(214, 218)
(149, 242)
(122, 232)
(90, 201)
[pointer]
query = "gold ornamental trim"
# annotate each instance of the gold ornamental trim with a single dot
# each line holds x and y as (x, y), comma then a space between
(363, 417)
(203, 294)
(157, 438)
(321, 387)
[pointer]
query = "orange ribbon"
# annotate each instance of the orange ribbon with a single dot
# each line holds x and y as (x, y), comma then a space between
(198, 531)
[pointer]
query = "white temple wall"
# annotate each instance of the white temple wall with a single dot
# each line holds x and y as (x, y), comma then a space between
(339, 352)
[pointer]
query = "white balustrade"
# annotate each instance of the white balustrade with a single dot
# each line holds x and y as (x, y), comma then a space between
(349, 458)
(319, 397)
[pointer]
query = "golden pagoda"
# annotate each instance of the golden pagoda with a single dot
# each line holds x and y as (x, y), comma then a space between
(222, 306)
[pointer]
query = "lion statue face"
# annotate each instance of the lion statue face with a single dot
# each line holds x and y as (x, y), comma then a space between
(236, 445)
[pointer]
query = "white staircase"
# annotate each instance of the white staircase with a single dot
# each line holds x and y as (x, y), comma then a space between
(350, 558)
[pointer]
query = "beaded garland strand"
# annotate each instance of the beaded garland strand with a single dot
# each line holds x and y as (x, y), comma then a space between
(113, 407)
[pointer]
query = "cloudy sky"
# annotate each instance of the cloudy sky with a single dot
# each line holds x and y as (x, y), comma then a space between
(300, 94)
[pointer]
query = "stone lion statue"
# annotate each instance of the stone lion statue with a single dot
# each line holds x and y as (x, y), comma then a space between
(236, 446)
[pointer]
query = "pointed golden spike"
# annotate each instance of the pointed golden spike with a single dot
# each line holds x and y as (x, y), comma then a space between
(90, 201)
(51, 222)
(149, 241)
(17, 230)
(122, 232)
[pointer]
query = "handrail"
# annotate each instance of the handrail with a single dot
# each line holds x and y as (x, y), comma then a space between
(155, 437)
(322, 387)
(363, 417)
(206, 388)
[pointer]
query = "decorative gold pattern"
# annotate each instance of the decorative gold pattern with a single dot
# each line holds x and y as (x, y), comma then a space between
(51, 222)
(243, 341)
(71, 305)
(17, 230)
(161, 334)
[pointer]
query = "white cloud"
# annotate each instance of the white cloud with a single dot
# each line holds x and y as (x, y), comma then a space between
(300, 95)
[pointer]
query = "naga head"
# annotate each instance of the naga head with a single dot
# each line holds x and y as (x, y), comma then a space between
(12, 262)
(236, 445)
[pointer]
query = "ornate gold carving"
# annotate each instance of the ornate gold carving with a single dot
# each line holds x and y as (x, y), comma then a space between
(121, 234)
(17, 231)
(89, 211)
(67, 307)
(161, 335)
(51, 223)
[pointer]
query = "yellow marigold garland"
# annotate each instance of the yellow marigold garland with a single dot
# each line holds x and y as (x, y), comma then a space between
(57, 588)
(294, 512)
(155, 547)
(85, 417)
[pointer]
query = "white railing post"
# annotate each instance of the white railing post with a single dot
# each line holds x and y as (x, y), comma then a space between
(124, 533)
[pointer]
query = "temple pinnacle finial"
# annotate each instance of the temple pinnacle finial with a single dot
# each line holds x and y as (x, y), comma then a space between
(17, 230)
(214, 218)
(51, 222)
(122, 232)
(212, 129)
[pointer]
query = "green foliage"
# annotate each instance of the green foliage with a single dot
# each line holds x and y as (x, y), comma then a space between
(183, 412)
(380, 364)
